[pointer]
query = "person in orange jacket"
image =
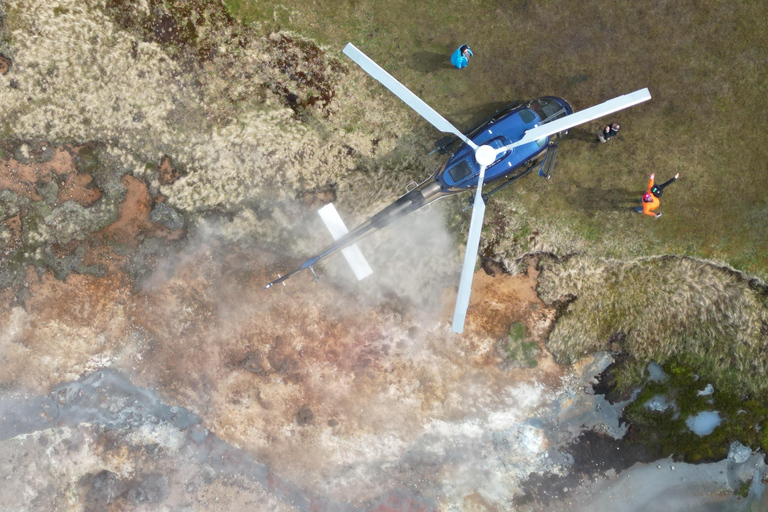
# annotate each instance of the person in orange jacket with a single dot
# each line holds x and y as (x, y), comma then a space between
(651, 197)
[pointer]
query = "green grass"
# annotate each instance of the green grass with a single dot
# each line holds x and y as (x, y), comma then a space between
(517, 332)
(704, 64)
(519, 351)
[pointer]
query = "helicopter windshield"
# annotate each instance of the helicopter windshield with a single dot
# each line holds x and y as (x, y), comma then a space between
(547, 109)
(527, 116)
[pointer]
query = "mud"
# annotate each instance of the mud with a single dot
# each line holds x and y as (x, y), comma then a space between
(309, 382)
(40, 164)
(313, 398)
(594, 456)
(134, 223)
(44, 187)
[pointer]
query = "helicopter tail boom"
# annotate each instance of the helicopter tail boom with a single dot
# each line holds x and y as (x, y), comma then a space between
(406, 204)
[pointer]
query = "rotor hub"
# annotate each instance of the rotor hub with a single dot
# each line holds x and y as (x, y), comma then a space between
(485, 155)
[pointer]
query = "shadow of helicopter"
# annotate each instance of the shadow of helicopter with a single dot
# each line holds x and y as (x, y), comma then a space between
(429, 62)
(479, 113)
(583, 135)
(596, 200)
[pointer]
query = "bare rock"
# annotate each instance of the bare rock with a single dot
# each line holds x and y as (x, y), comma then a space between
(254, 363)
(491, 267)
(48, 190)
(9, 204)
(5, 64)
(304, 416)
(153, 488)
(167, 216)
(105, 488)
(282, 357)
(167, 173)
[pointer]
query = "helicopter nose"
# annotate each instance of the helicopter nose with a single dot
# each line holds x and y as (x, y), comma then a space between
(485, 155)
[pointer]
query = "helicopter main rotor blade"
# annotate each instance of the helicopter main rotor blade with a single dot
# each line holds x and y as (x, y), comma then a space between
(581, 117)
(403, 93)
(470, 257)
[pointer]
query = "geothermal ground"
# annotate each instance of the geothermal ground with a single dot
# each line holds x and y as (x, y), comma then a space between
(190, 387)
(161, 161)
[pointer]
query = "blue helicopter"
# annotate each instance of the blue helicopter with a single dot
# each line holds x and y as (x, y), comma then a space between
(513, 142)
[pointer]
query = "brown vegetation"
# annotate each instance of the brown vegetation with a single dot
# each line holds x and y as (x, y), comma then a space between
(656, 309)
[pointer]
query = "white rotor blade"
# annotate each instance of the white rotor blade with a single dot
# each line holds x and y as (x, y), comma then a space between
(581, 117)
(470, 257)
(403, 93)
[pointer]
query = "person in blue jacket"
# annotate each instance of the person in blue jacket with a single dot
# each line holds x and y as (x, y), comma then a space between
(460, 57)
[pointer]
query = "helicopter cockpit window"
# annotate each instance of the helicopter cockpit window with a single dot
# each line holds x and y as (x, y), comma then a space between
(536, 105)
(527, 116)
(548, 110)
(460, 171)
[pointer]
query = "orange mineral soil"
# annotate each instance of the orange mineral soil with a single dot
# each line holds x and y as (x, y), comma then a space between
(313, 380)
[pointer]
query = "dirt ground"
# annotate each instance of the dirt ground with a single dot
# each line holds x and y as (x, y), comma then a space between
(311, 379)
(172, 379)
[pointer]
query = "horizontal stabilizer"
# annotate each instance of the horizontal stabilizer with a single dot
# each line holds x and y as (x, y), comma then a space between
(352, 253)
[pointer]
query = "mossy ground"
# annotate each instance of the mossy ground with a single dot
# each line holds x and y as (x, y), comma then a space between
(661, 309)
(744, 418)
(519, 351)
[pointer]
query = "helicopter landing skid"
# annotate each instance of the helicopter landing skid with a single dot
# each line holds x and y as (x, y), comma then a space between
(545, 170)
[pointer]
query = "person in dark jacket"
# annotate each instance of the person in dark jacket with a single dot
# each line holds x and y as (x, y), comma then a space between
(608, 132)
(460, 57)
(657, 190)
